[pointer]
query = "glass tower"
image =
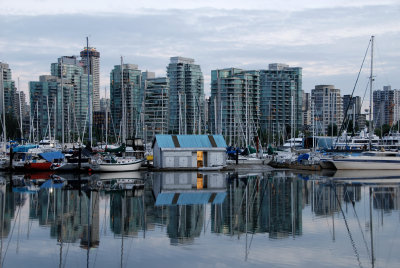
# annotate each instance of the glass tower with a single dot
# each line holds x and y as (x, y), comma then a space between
(156, 107)
(132, 80)
(186, 99)
(281, 99)
(234, 105)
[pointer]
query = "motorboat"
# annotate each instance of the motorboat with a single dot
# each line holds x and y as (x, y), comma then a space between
(370, 160)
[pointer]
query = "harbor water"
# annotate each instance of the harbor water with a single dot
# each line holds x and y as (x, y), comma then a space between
(188, 219)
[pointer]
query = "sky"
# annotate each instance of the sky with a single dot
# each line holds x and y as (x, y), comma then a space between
(328, 39)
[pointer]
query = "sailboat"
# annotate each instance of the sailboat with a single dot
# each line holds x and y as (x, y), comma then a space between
(111, 162)
(370, 160)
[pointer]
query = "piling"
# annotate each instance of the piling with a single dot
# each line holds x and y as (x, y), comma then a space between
(79, 158)
(11, 157)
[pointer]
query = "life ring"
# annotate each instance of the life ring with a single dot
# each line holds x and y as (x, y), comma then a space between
(99, 184)
(99, 161)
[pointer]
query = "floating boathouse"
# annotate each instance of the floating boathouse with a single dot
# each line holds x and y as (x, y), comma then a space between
(189, 151)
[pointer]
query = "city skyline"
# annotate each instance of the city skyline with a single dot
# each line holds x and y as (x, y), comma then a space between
(328, 40)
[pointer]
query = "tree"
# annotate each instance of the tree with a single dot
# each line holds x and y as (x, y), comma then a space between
(12, 127)
(335, 130)
(383, 130)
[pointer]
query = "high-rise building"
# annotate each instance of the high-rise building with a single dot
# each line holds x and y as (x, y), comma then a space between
(306, 109)
(93, 65)
(281, 99)
(328, 107)
(186, 99)
(44, 98)
(156, 94)
(351, 104)
(21, 112)
(385, 106)
(8, 86)
(352, 110)
(131, 93)
(234, 105)
(75, 101)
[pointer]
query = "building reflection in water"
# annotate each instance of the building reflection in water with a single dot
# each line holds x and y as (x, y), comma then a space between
(181, 199)
(260, 204)
(188, 203)
(72, 215)
(386, 198)
(127, 213)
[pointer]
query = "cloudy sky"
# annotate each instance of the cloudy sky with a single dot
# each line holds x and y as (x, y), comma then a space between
(327, 38)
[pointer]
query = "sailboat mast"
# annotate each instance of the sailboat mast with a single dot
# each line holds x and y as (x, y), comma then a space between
(370, 94)
(37, 121)
(105, 97)
(89, 95)
(20, 111)
(4, 109)
(48, 117)
(123, 103)
(62, 104)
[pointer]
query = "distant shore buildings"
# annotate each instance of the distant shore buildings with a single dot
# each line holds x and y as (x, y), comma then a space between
(244, 104)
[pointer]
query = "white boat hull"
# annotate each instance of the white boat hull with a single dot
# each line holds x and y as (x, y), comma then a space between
(367, 163)
(118, 167)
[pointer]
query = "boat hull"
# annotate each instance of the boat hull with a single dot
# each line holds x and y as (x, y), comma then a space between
(367, 163)
(38, 166)
(118, 167)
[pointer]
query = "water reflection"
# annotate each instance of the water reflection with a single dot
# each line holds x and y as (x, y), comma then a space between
(188, 207)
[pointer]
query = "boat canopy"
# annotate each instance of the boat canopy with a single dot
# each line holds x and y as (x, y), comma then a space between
(119, 149)
(24, 148)
(50, 156)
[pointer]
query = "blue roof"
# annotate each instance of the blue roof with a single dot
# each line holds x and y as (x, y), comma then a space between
(190, 141)
(192, 198)
(50, 156)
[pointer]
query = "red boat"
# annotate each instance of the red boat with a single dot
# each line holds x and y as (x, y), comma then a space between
(45, 165)
(44, 161)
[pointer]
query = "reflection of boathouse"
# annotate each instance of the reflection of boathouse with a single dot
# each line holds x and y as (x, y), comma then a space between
(189, 151)
(183, 197)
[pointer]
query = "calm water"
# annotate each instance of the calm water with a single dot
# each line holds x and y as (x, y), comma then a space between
(187, 219)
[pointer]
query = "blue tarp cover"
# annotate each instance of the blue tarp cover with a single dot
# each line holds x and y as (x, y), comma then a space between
(50, 156)
(192, 198)
(24, 148)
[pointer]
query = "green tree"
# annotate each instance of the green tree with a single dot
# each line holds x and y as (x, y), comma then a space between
(12, 127)
(383, 130)
(335, 130)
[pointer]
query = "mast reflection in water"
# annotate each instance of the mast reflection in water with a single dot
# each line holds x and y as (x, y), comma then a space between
(204, 218)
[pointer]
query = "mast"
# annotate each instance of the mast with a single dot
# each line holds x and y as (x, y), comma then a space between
(123, 136)
(37, 121)
(20, 111)
(247, 118)
(105, 89)
(162, 110)
(370, 125)
(62, 104)
(3, 109)
(89, 95)
(48, 117)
